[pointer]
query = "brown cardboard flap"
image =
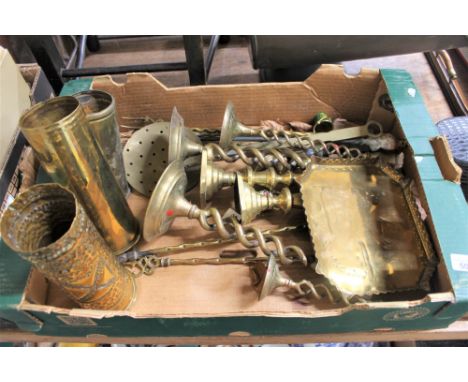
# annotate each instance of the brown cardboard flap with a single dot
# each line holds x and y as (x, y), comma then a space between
(450, 170)
(204, 106)
(352, 96)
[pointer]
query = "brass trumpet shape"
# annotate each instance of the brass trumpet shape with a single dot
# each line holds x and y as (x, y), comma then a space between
(60, 135)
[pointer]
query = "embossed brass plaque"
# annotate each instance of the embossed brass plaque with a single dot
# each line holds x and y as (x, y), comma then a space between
(365, 228)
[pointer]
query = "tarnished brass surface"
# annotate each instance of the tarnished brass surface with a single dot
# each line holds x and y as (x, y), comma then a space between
(183, 142)
(365, 227)
(213, 178)
(48, 227)
(250, 203)
(59, 133)
(99, 107)
(273, 279)
(168, 202)
(233, 128)
(146, 157)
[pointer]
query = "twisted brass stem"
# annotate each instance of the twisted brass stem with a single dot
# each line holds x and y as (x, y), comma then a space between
(281, 158)
(306, 142)
(250, 237)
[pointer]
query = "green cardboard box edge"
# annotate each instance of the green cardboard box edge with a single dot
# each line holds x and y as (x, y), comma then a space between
(418, 128)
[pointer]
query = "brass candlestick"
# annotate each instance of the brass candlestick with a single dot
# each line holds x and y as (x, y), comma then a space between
(250, 203)
(273, 279)
(213, 178)
(233, 128)
(183, 143)
(168, 202)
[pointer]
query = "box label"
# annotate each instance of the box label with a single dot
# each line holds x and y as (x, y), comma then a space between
(77, 321)
(459, 262)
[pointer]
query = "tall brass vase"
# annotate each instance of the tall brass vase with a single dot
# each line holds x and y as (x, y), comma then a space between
(59, 133)
(48, 227)
(100, 111)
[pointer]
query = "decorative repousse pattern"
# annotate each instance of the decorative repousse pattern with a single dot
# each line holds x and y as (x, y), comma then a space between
(79, 261)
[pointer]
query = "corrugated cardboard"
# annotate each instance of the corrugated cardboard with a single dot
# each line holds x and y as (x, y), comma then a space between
(214, 300)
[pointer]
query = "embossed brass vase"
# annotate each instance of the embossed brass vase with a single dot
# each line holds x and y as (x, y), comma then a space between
(60, 135)
(100, 111)
(49, 228)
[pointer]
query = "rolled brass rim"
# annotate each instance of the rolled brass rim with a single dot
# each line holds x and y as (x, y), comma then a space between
(161, 207)
(59, 133)
(25, 204)
(97, 104)
(227, 127)
(50, 114)
(205, 179)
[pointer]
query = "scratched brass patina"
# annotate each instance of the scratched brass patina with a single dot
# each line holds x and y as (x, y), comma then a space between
(99, 107)
(48, 227)
(365, 227)
(59, 133)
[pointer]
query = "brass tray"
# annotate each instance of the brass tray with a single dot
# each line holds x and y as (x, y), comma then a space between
(365, 227)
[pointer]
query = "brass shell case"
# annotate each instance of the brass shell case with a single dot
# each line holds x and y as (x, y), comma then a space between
(60, 135)
(49, 228)
(100, 111)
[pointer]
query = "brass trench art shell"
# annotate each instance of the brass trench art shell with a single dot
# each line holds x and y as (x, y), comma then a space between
(146, 157)
(365, 227)
(100, 110)
(48, 227)
(59, 132)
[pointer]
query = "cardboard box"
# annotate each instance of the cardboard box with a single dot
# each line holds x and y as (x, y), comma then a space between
(220, 301)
